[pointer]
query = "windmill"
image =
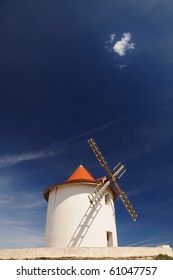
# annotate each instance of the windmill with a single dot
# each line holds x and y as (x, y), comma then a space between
(96, 195)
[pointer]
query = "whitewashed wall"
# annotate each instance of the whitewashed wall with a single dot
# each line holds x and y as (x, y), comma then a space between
(73, 222)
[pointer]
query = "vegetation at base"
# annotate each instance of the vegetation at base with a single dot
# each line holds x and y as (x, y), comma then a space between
(163, 257)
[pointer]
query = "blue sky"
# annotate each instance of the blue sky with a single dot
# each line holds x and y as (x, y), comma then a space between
(71, 70)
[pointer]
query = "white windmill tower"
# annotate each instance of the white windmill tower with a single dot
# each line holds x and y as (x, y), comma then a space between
(74, 222)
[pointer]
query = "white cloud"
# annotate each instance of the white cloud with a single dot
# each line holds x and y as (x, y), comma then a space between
(121, 47)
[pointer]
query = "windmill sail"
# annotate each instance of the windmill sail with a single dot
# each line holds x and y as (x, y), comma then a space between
(99, 156)
(128, 206)
(96, 195)
(119, 170)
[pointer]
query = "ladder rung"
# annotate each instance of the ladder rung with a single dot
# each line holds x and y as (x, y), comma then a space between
(97, 194)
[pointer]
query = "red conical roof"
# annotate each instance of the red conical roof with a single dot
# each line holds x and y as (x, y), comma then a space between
(81, 174)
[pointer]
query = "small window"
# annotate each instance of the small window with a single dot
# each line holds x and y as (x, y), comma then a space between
(107, 198)
(109, 239)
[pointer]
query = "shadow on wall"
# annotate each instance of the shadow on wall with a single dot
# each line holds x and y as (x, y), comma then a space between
(84, 225)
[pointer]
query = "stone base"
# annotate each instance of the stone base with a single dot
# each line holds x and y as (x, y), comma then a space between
(85, 253)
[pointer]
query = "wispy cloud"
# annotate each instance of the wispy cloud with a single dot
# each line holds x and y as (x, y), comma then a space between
(55, 148)
(112, 37)
(122, 66)
(22, 234)
(110, 42)
(21, 216)
(150, 242)
(7, 160)
(11, 200)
